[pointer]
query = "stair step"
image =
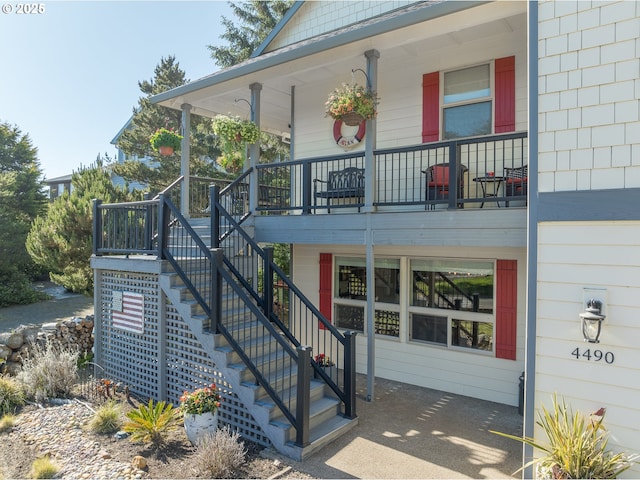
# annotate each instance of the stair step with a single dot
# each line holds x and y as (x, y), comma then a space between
(321, 411)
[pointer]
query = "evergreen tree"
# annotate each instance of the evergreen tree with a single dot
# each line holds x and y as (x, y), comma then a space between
(147, 118)
(21, 199)
(256, 19)
(61, 241)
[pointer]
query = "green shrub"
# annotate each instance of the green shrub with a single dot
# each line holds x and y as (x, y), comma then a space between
(576, 445)
(106, 419)
(219, 454)
(49, 372)
(43, 467)
(150, 423)
(11, 395)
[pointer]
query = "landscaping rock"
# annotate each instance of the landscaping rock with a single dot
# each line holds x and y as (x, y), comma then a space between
(15, 346)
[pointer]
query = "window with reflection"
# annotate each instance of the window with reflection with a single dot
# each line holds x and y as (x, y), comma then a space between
(470, 334)
(465, 285)
(467, 102)
(350, 294)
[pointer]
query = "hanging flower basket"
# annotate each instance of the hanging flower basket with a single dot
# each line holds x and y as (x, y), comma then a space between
(165, 141)
(235, 130)
(352, 103)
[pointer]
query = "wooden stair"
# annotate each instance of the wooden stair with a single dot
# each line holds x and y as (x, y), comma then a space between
(326, 421)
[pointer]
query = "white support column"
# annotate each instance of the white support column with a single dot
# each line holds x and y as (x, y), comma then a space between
(369, 199)
(254, 149)
(185, 150)
(370, 136)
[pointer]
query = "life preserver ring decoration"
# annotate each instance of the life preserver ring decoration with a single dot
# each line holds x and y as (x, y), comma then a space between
(348, 141)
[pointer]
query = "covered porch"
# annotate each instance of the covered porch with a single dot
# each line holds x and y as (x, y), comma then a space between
(403, 159)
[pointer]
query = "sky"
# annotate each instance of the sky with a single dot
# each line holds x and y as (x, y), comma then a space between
(69, 74)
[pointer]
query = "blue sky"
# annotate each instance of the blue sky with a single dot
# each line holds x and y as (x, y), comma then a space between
(69, 76)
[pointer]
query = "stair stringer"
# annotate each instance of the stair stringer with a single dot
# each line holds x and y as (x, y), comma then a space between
(272, 422)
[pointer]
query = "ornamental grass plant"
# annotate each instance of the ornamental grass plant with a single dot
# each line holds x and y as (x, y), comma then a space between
(201, 400)
(107, 418)
(576, 446)
(49, 371)
(12, 395)
(220, 454)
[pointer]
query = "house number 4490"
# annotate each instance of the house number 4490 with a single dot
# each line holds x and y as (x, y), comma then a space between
(595, 355)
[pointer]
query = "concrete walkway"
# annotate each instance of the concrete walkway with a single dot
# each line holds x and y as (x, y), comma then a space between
(414, 432)
(61, 307)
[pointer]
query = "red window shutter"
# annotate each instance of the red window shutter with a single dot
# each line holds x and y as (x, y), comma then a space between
(431, 107)
(506, 308)
(505, 95)
(326, 281)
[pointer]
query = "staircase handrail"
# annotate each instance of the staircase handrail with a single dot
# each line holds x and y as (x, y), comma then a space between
(166, 254)
(169, 188)
(236, 181)
(345, 395)
(325, 323)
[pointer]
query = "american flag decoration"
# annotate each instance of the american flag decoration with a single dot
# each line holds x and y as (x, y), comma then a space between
(128, 311)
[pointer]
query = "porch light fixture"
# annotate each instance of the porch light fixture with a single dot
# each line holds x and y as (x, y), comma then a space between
(592, 321)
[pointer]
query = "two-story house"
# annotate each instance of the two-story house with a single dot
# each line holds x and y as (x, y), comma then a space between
(458, 233)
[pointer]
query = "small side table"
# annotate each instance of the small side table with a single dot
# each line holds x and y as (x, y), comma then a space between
(490, 192)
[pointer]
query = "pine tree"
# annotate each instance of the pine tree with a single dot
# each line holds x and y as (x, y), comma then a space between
(21, 199)
(147, 118)
(257, 18)
(61, 241)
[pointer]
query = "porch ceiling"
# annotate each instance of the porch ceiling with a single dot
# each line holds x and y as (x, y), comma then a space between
(333, 56)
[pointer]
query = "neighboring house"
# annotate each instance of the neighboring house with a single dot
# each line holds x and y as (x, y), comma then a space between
(122, 157)
(462, 231)
(58, 185)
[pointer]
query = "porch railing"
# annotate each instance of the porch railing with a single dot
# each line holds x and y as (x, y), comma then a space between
(403, 176)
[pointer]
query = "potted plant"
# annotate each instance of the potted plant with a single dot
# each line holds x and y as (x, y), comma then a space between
(327, 365)
(352, 104)
(200, 411)
(165, 141)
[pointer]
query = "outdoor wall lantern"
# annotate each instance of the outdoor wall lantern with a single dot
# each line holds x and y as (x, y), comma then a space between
(592, 321)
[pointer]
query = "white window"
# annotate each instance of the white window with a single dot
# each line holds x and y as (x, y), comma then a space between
(467, 102)
(452, 303)
(350, 295)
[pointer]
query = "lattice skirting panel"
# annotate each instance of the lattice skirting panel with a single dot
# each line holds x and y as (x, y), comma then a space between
(166, 358)
(189, 367)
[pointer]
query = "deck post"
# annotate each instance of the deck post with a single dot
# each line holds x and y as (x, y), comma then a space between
(216, 290)
(148, 225)
(454, 162)
(306, 188)
(350, 374)
(97, 225)
(303, 395)
(163, 226)
(214, 197)
(267, 282)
